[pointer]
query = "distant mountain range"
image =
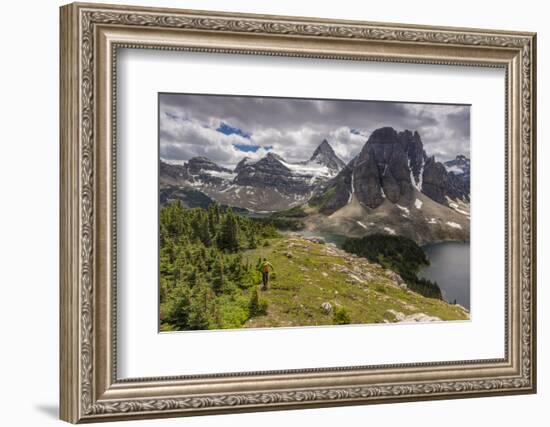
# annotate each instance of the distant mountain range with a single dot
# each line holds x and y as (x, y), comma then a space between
(391, 186)
(268, 184)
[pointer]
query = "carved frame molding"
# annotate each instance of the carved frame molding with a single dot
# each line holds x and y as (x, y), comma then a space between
(90, 36)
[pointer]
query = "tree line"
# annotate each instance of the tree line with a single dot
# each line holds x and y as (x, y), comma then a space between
(398, 253)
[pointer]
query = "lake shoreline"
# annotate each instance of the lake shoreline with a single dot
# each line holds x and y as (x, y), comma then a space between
(453, 288)
(450, 268)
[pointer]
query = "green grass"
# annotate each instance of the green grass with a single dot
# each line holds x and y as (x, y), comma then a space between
(311, 277)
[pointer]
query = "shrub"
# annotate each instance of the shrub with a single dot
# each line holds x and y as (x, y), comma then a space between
(341, 316)
(257, 306)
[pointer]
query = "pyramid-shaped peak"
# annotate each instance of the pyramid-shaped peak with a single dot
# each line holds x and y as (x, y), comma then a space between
(323, 148)
(324, 154)
(324, 144)
(273, 156)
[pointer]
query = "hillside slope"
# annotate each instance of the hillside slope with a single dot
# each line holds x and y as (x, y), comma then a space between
(421, 219)
(315, 283)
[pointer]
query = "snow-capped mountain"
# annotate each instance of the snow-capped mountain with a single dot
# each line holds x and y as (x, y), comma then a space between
(268, 184)
(325, 156)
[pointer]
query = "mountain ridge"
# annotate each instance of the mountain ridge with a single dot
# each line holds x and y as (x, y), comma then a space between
(268, 184)
(391, 186)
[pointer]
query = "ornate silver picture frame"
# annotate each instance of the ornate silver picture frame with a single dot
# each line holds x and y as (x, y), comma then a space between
(91, 35)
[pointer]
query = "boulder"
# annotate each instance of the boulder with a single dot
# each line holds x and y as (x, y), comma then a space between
(316, 239)
(326, 307)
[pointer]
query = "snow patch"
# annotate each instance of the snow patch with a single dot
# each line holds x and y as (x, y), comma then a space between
(418, 204)
(417, 185)
(221, 174)
(454, 206)
(455, 169)
(390, 231)
(453, 224)
(310, 169)
(351, 187)
(403, 208)
(227, 189)
(362, 225)
(460, 211)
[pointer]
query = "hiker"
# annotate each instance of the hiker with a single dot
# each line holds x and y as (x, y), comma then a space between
(265, 265)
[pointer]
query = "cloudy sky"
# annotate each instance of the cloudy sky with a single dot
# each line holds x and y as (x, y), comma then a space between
(227, 128)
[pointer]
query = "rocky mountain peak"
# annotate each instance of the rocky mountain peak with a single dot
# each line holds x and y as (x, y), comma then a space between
(459, 165)
(197, 164)
(242, 164)
(383, 135)
(323, 148)
(324, 155)
(273, 156)
(394, 166)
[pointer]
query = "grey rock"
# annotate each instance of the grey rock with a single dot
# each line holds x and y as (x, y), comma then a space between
(316, 239)
(326, 307)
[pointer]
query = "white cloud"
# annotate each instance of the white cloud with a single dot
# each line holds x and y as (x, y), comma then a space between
(294, 127)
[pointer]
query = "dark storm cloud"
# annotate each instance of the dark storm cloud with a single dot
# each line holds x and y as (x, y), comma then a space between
(189, 126)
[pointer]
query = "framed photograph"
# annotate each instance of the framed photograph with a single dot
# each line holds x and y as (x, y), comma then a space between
(267, 212)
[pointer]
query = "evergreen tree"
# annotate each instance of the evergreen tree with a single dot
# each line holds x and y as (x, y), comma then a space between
(252, 240)
(217, 275)
(213, 217)
(201, 309)
(177, 308)
(201, 228)
(228, 238)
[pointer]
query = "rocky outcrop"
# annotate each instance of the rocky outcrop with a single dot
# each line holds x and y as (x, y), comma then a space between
(332, 196)
(460, 165)
(241, 165)
(459, 173)
(386, 166)
(173, 174)
(434, 183)
(410, 318)
(198, 165)
(195, 169)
